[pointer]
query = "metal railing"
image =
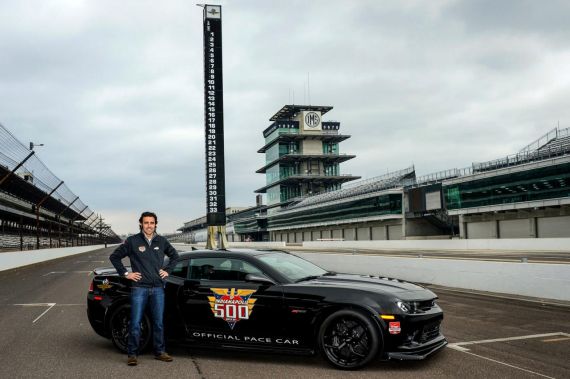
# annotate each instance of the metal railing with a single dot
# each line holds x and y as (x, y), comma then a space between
(549, 136)
(521, 158)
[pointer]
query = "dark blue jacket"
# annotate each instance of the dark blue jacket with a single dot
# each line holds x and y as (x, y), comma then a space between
(145, 258)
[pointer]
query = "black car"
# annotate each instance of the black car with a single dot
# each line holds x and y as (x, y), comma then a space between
(272, 300)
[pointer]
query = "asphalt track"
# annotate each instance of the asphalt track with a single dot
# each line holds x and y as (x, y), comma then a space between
(44, 332)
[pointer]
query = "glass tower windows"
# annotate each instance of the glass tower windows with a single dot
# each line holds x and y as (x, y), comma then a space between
(330, 148)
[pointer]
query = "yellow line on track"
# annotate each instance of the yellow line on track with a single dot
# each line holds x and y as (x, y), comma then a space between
(557, 339)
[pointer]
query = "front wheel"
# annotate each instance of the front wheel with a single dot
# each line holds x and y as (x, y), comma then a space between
(120, 326)
(348, 339)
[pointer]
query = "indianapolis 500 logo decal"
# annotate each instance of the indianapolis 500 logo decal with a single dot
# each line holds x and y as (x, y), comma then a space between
(231, 304)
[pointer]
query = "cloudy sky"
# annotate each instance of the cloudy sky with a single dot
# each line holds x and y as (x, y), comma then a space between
(114, 89)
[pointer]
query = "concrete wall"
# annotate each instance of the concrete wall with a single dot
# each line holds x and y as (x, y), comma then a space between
(312, 147)
(349, 234)
(15, 259)
(395, 232)
(421, 227)
(363, 234)
(526, 244)
(553, 227)
(546, 281)
(379, 232)
(550, 222)
(249, 245)
(483, 229)
(516, 228)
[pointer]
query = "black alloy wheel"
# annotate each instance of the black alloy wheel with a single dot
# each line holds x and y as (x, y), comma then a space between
(348, 339)
(119, 325)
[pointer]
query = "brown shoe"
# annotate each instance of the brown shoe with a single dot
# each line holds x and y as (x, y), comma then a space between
(132, 360)
(163, 357)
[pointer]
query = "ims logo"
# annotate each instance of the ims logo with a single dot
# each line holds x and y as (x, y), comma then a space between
(312, 119)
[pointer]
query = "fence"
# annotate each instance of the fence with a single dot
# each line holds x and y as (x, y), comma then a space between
(37, 205)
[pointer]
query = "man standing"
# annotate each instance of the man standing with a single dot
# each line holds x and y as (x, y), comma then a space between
(146, 252)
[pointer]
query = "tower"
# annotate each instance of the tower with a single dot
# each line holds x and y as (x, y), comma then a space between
(302, 155)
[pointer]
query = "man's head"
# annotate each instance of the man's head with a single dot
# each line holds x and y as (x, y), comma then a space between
(147, 223)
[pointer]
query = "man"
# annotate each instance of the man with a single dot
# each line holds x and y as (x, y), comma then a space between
(146, 252)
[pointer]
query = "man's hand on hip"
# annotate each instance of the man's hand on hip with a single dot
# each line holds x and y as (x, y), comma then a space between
(163, 274)
(134, 276)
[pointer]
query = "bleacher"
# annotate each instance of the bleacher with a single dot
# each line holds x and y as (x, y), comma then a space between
(12, 242)
(553, 144)
(37, 205)
(390, 180)
(561, 142)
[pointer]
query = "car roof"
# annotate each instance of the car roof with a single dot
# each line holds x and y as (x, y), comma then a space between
(232, 252)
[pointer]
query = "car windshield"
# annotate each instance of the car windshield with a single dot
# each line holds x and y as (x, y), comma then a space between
(291, 266)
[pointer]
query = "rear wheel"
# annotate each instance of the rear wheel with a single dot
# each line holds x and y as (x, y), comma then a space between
(120, 326)
(348, 339)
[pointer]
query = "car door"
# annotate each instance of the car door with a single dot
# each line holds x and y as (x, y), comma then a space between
(220, 307)
(174, 326)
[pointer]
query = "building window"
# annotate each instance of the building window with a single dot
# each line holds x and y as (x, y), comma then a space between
(330, 148)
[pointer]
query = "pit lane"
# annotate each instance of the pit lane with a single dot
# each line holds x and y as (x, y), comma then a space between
(44, 332)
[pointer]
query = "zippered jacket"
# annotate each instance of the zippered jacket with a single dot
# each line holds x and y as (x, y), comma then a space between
(146, 258)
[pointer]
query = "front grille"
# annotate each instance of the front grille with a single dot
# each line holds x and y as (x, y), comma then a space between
(429, 332)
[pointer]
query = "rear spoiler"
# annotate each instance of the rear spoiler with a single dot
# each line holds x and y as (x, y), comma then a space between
(107, 270)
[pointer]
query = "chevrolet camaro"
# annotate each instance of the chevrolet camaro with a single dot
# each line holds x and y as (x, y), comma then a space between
(269, 300)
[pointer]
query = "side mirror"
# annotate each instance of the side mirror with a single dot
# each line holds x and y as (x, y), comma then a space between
(259, 279)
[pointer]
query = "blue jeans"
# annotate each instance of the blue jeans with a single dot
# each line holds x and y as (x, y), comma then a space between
(140, 296)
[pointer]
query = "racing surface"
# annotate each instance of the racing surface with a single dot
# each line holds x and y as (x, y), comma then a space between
(44, 332)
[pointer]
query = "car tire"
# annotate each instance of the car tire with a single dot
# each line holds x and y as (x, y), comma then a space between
(119, 325)
(348, 339)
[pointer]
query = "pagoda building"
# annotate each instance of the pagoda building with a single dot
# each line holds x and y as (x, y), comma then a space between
(302, 155)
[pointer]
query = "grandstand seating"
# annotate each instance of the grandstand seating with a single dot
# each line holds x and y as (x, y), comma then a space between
(383, 182)
(554, 144)
(36, 203)
(557, 144)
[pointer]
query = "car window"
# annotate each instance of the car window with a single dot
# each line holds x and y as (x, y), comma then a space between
(180, 270)
(221, 269)
(291, 266)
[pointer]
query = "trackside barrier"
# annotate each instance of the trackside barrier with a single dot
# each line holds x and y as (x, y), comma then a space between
(15, 259)
(526, 244)
(249, 245)
(545, 281)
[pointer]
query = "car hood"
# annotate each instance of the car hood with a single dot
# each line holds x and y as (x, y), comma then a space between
(378, 284)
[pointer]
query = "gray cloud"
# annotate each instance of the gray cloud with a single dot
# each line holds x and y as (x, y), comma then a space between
(114, 89)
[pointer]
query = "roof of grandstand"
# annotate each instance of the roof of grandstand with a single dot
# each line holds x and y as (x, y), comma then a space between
(289, 111)
(555, 143)
(27, 183)
(387, 181)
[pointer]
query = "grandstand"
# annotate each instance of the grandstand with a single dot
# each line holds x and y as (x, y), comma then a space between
(37, 209)
(523, 195)
(194, 231)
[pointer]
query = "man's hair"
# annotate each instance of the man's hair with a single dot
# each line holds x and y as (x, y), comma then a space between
(148, 214)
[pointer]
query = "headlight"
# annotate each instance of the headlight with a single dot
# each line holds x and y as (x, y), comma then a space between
(405, 307)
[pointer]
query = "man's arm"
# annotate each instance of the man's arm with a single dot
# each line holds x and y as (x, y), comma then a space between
(172, 254)
(115, 258)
